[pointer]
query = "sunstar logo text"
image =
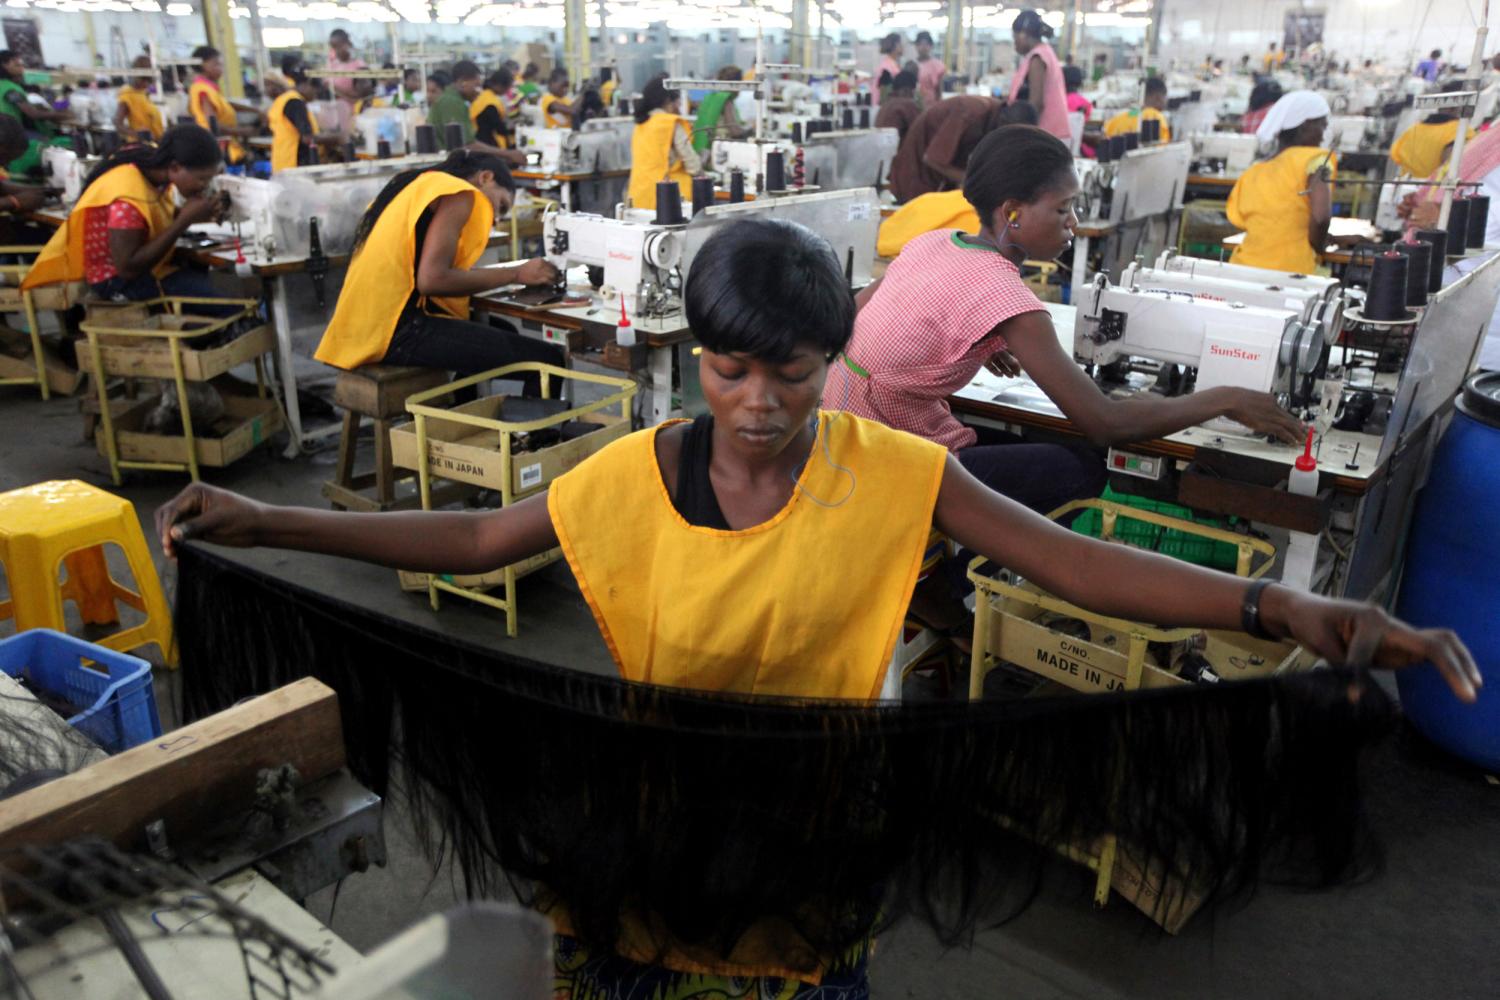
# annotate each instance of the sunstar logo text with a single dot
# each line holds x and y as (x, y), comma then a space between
(1237, 353)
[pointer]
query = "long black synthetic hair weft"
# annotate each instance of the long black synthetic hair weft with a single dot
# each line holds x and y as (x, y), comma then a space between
(712, 813)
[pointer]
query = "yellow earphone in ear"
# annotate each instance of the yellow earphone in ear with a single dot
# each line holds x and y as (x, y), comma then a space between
(1012, 218)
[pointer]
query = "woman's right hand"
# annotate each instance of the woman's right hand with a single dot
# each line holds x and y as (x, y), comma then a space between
(537, 272)
(1260, 412)
(210, 514)
(199, 208)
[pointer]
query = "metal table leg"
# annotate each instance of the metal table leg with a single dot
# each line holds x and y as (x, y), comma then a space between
(282, 319)
(661, 384)
(1080, 268)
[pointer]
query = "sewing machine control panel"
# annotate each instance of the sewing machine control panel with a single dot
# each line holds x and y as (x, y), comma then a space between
(1130, 463)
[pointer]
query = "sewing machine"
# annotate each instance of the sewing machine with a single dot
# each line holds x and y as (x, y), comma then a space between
(1321, 300)
(1229, 343)
(860, 158)
(1231, 153)
(396, 126)
(601, 145)
(1351, 133)
(636, 259)
(648, 263)
(65, 170)
(748, 156)
(276, 218)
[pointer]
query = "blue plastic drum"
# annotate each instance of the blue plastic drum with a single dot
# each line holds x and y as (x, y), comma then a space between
(1452, 577)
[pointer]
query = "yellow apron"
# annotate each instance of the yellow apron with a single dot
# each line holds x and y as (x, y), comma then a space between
(382, 275)
(808, 604)
(1130, 121)
(140, 114)
(650, 154)
(488, 99)
(285, 139)
(1268, 205)
(223, 111)
(924, 214)
(62, 259)
(546, 103)
(1419, 150)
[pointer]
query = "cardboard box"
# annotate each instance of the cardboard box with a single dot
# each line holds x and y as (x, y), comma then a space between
(152, 357)
(469, 454)
(16, 362)
(479, 581)
(247, 423)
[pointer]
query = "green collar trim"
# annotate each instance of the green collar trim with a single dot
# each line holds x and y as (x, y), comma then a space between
(856, 369)
(963, 244)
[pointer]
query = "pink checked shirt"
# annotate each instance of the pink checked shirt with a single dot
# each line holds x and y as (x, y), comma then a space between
(925, 334)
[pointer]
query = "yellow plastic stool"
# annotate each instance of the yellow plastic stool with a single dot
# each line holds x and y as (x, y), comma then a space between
(68, 523)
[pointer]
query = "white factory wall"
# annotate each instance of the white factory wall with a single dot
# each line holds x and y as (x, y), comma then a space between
(1388, 30)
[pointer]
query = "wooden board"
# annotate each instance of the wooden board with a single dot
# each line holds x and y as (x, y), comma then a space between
(202, 770)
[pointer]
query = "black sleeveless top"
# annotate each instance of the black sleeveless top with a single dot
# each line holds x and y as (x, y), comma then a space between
(695, 499)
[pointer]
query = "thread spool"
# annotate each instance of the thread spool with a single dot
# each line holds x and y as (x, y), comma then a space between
(826, 109)
(1439, 240)
(453, 135)
(848, 118)
(1418, 271)
(703, 195)
(1385, 300)
(426, 139)
(1458, 227)
(1150, 131)
(1479, 220)
(383, 149)
(1132, 140)
(736, 186)
(864, 117)
(1104, 151)
(1118, 147)
(796, 132)
(668, 204)
(775, 170)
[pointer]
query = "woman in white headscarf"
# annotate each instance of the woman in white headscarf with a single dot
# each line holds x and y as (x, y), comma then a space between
(1285, 204)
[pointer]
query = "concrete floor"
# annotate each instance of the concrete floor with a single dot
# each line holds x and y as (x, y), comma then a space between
(1423, 929)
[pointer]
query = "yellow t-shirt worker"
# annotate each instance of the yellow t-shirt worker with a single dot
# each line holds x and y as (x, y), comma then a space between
(1285, 204)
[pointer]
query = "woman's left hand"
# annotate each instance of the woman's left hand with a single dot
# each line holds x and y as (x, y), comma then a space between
(1004, 364)
(1363, 635)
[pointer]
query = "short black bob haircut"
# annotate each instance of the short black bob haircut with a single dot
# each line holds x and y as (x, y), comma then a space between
(1014, 162)
(764, 287)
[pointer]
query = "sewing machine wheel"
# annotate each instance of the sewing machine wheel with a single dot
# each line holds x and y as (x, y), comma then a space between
(1170, 380)
(596, 276)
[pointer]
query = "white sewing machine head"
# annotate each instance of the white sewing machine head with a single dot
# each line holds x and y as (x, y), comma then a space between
(65, 170)
(598, 145)
(1235, 151)
(1350, 133)
(1319, 299)
(1230, 343)
(543, 147)
(395, 126)
(636, 259)
(747, 156)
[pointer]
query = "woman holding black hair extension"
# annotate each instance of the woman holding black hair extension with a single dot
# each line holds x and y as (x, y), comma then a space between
(120, 233)
(405, 300)
(1038, 79)
(745, 528)
(661, 147)
(952, 303)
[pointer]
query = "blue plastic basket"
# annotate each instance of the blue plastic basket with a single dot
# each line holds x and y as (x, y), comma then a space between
(114, 702)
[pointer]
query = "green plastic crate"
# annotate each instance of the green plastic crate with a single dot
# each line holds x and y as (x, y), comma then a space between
(1167, 541)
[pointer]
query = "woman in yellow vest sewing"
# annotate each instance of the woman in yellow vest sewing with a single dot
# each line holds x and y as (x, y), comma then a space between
(294, 128)
(135, 116)
(557, 110)
(1285, 204)
(405, 300)
(717, 555)
(1423, 148)
(661, 148)
(212, 110)
(120, 233)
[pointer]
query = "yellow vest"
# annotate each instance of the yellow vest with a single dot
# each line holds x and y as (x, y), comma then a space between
(607, 92)
(808, 604)
(547, 101)
(1268, 205)
(1420, 149)
(140, 114)
(62, 259)
(488, 99)
(367, 103)
(650, 154)
(223, 112)
(1130, 121)
(285, 139)
(382, 275)
(924, 214)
